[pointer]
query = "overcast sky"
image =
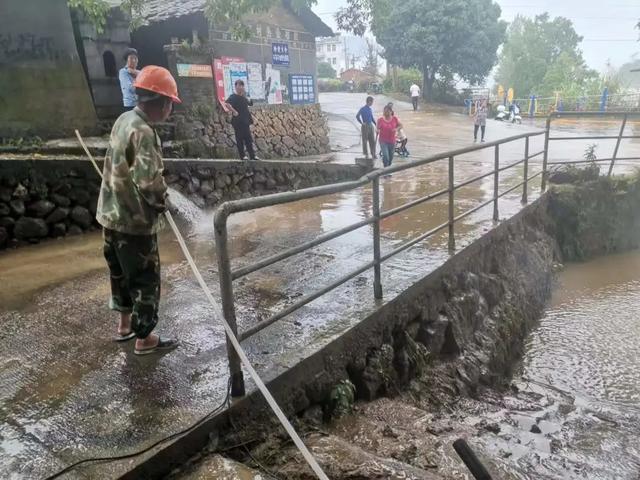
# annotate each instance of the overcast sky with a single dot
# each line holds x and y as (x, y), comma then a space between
(608, 30)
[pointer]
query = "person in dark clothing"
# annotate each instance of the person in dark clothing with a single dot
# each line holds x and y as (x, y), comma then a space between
(239, 104)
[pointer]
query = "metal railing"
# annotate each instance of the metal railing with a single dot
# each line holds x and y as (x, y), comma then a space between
(227, 274)
(618, 138)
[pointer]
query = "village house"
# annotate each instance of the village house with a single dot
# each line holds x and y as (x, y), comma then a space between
(78, 71)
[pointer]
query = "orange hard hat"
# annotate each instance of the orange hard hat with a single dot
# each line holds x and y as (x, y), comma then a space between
(158, 80)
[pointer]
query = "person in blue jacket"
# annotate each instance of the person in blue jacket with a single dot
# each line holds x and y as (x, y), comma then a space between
(127, 77)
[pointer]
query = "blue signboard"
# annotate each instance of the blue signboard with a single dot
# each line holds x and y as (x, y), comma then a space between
(302, 88)
(280, 54)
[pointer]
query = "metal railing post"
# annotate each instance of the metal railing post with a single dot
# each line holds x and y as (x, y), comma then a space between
(545, 158)
(525, 186)
(452, 239)
(615, 151)
(228, 307)
(496, 181)
(377, 268)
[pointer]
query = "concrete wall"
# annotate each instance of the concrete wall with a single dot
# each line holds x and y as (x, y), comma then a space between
(43, 89)
(115, 39)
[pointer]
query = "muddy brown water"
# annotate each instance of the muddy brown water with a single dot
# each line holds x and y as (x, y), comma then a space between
(67, 392)
(583, 360)
(573, 409)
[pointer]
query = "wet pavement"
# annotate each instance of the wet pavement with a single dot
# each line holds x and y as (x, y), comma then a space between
(68, 393)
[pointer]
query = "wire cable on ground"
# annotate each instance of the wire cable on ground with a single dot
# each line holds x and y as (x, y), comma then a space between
(150, 447)
(233, 339)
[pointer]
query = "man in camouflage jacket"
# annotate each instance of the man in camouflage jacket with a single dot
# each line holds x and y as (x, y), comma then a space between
(132, 198)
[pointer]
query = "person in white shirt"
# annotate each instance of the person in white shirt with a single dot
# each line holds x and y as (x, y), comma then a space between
(415, 95)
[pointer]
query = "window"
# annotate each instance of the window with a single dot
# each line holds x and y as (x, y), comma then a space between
(259, 31)
(319, 48)
(109, 61)
(333, 60)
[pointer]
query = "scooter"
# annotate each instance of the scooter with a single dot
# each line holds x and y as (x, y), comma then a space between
(502, 115)
(513, 115)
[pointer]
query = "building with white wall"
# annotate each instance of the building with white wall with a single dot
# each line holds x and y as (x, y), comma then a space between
(342, 52)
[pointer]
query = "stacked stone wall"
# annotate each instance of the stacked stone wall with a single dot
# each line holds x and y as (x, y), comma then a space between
(279, 131)
(50, 198)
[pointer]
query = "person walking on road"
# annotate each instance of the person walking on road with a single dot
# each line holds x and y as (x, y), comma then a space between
(415, 95)
(238, 103)
(133, 195)
(480, 120)
(367, 128)
(127, 75)
(388, 126)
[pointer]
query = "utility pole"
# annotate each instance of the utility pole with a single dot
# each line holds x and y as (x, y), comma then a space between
(346, 54)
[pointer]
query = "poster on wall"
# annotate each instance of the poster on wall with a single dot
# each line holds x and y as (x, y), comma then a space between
(301, 88)
(280, 54)
(227, 63)
(218, 75)
(194, 70)
(237, 71)
(255, 88)
(226, 77)
(273, 86)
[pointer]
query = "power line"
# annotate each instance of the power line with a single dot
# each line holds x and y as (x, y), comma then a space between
(609, 40)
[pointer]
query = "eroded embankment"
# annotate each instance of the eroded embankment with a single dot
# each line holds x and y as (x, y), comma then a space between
(417, 358)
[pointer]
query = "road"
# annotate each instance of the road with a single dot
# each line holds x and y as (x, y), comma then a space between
(67, 392)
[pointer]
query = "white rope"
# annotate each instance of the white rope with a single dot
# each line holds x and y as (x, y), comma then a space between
(234, 341)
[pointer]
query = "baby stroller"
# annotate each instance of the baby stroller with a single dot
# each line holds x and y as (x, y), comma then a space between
(401, 144)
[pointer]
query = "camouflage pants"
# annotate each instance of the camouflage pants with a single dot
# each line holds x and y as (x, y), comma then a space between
(134, 267)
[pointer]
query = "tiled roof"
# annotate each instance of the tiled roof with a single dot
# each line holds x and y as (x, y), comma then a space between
(160, 10)
(156, 11)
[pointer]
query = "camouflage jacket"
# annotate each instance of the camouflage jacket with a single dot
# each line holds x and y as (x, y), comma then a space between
(133, 192)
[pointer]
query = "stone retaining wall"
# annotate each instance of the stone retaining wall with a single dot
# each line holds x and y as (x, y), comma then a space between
(49, 198)
(36, 203)
(208, 182)
(280, 131)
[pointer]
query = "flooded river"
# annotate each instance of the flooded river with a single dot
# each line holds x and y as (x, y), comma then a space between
(583, 360)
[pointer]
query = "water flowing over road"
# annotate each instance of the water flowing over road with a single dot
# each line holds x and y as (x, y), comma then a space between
(67, 392)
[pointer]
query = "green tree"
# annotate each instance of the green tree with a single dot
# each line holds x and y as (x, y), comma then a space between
(569, 76)
(457, 37)
(96, 11)
(540, 55)
(325, 70)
